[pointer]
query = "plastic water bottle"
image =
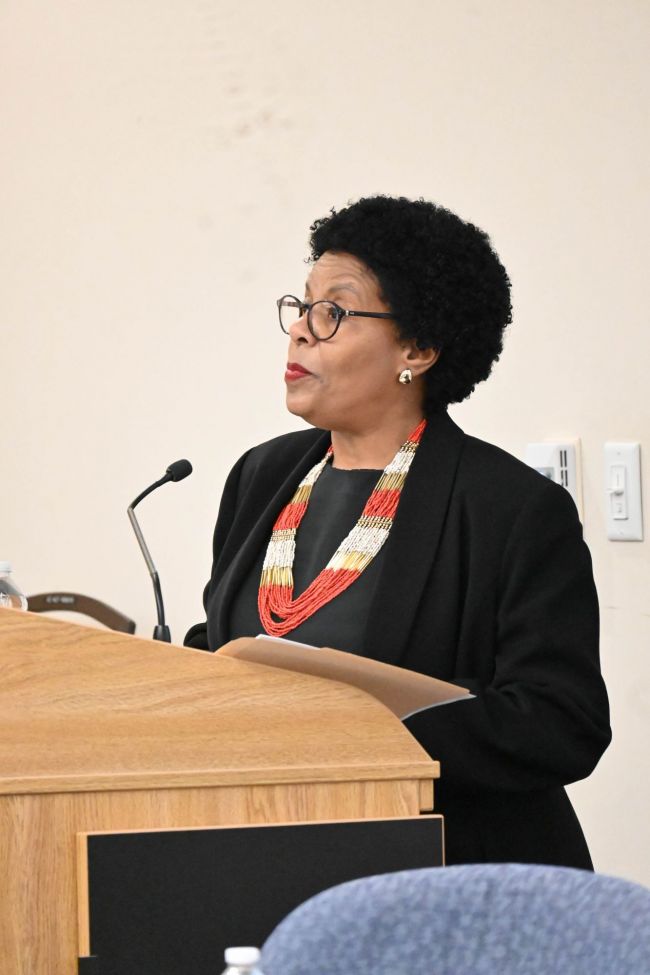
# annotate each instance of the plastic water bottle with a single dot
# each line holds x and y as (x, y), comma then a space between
(11, 596)
(242, 961)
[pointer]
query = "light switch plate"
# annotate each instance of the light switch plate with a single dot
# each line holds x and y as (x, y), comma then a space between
(623, 510)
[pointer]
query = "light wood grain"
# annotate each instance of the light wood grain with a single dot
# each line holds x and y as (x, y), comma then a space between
(39, 921)
(100, 731)
(83, 896)
(426, 795)
(85, 709)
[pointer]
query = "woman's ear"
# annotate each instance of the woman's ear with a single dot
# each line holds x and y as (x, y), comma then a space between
(419, 360)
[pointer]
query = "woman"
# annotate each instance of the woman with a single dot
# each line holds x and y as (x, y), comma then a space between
(445, 554)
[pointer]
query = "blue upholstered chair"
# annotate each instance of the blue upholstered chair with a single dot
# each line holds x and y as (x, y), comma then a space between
(488, 919)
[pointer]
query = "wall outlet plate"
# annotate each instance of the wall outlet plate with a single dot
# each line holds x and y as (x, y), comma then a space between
(560, 461)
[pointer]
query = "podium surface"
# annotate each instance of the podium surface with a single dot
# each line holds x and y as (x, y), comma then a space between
(102, 731)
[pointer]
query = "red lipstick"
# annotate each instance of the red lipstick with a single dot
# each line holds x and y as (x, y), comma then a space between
(295, 371)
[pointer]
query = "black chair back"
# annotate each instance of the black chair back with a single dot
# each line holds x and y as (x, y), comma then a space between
(53, 602)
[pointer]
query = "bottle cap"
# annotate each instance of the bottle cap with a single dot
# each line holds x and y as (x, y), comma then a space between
(242, 956)
(5, 566)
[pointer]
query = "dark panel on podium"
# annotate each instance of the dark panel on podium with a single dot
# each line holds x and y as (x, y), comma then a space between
(170, 902)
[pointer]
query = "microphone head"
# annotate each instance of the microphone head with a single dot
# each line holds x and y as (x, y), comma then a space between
(179, 469)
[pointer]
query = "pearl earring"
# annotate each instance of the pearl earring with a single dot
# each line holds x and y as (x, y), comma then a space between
(405, 377)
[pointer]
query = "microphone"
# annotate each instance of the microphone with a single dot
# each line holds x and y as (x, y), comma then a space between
(175, 472)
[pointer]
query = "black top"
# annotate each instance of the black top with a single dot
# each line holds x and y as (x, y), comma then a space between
(337, 499)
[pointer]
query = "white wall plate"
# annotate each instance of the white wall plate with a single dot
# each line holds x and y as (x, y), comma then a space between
(560, 461)
(623, 508)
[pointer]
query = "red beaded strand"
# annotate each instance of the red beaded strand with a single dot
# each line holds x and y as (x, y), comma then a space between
(354, 554)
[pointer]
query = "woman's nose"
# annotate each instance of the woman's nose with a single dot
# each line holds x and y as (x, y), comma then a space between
(299, 331)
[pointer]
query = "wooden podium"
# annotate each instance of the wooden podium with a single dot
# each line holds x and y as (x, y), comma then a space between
(106, 732)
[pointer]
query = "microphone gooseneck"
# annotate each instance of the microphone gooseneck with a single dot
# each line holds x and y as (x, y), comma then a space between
(177, 471)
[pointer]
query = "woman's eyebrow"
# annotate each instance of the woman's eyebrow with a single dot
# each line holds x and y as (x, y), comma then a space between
(335, 288)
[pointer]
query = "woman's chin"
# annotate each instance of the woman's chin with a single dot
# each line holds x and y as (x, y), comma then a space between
(297, 404)
(304, 407)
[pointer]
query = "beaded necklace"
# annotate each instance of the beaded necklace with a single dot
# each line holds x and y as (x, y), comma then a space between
(354, 554)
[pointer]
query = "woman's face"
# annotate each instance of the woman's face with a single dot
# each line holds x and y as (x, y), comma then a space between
(351, 379)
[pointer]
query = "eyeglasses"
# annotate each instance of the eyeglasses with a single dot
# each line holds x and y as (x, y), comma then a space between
(323, 317)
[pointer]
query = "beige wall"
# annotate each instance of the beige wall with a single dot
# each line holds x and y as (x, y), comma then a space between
(160, 163)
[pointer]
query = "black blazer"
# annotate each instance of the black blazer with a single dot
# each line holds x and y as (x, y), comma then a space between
(487, 582)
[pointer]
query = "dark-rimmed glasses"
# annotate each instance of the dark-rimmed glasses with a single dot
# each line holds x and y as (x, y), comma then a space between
(323, 317)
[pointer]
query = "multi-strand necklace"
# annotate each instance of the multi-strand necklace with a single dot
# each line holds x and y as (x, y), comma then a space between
(354, 554)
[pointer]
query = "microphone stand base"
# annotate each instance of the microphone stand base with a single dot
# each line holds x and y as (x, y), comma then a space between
(162, 633)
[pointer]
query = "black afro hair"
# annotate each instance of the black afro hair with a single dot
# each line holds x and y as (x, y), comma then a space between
(438, 274)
